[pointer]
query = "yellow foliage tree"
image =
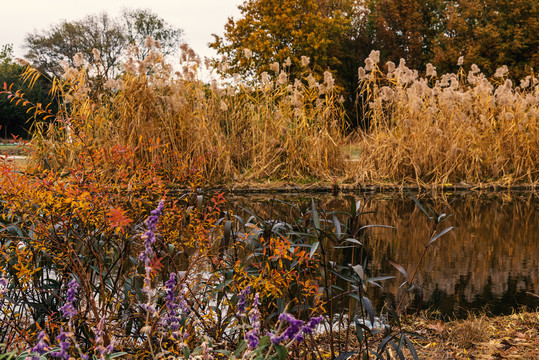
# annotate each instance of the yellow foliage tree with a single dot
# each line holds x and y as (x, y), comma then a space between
(271, 31)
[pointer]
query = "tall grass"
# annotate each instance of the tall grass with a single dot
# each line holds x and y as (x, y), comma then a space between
(449, 128)
(271, 128)
(418, 128)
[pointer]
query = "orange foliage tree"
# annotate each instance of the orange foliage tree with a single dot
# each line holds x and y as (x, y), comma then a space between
(273, 31)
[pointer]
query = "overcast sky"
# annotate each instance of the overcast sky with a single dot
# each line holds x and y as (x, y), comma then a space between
(198, 18)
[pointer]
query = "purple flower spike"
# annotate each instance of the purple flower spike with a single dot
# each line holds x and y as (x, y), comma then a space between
(68, 310)
(242, 301)
(296, 329)
(252, 336)
(151, 223)
(146, 256)
(252, 339)
(64, 346)
(3, 285)
(176, 306)
(40, 348)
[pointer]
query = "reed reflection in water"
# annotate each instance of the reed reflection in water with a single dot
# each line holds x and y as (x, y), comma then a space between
(488, 262)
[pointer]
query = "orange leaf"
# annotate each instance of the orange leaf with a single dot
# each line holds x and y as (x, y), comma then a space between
(117, 218)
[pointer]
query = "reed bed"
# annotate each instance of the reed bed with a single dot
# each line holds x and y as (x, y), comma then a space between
(448, 128)
(269, 128)
(426, 129)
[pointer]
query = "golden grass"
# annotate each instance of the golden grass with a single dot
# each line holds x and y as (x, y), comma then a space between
(447, 129)
(272, 129)
(430, 129)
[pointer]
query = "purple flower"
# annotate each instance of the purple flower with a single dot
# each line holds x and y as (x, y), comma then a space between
(254, 314)
(242, 301)
(146, 256)
(252, 336)
(252, 339)
(149, 237)
(40, 348)
(99, 340)
(64, 346)
(174, 303)
(312, 324)
(3, 285)
(296, 329)
(68, 310)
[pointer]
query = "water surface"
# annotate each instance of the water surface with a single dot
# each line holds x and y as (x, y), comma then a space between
(489, 262)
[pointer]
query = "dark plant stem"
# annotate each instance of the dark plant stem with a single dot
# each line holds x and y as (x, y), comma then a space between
(411, 280)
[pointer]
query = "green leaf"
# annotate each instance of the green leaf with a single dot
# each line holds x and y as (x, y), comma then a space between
(314, 247)
(398, 267)
(369, 308)
(316, 220)
(282, 351)
(411, 347)
(241, 348)
(115, 355)
(337, 226)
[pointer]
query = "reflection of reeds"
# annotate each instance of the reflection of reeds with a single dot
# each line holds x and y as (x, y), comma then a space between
(493, 239)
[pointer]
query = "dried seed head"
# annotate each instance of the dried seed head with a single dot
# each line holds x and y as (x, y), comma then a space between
(311, 81)
(431, 70)
(460, 61)
(282, 79)
(305, 60)
(361, 73)
(78, 59)
(369, 64)
(265, 77)
(247, 53)
(149, 42)
(223, 106)
(390, 66)
(97, 55)
(328, 80)
(288, 62)
(501, 71)
(22, 62)
(274, 67)
(375, 56)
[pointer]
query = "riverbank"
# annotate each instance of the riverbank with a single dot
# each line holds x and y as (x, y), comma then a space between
(292, 188)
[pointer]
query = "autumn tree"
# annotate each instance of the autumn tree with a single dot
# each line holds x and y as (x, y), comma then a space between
(140, 23)
(404, 29)
(110, 36)
(274, 30)
(490, 34)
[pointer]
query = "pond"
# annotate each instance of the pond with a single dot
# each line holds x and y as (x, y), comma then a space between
(489, 261)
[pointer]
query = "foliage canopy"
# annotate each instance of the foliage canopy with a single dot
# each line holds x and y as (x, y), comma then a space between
(110, 36)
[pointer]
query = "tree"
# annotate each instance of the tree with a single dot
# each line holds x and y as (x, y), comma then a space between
(138, 24)
(14, 120)
(404, 29)
(274, 30)
(490, 34)
(110, 36)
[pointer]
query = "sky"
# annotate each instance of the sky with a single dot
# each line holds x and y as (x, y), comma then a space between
(198, 18)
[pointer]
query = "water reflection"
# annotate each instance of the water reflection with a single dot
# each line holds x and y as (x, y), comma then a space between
(489, 261)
